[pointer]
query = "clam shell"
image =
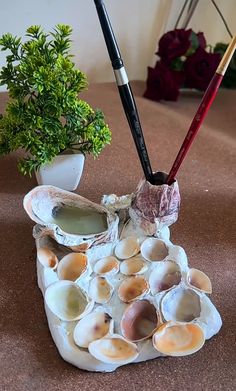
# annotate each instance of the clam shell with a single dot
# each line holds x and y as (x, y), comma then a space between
(178, 339)
(113, 350)
(164, 276)
(181, 305)
(139, 320)
(199, 280)
(72, 266)
(134, 265)
(47, 258)
(133, 288)
(100, 290)
(67, 301)
(154, 249)
(93, 326)
(106, 266)
(41, 204)
(127, 248)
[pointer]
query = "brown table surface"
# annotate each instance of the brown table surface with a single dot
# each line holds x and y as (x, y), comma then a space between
(206, 230)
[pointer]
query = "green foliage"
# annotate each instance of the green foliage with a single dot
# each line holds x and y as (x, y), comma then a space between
(229, 80)
(44, 115)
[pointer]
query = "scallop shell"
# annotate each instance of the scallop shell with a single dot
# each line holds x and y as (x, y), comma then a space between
(67, 301)
(199, 280)
(181, 305)
(47, 258)
(133, 288)
(41, 203)
(93, 326)
(113, 350)
(100, 290)
(127, 248)
(154, 249)
(178, 339)
(72, 266)
(164, 276)
(106, 266)
(134, 265)
(139, 320)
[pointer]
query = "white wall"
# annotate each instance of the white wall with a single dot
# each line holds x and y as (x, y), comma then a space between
(137, 25)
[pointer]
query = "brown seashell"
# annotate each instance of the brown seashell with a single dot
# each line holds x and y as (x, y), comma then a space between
(132, 288)
(199, 280)
(72, 266)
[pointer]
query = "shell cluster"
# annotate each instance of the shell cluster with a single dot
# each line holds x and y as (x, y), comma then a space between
(126, 301)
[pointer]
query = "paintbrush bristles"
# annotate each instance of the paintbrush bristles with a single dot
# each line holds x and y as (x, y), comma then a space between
(222, 67)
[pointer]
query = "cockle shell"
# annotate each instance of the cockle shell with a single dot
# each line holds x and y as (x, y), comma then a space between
(67, 301)
(134, 265)
(133, 288)
(154, 249)
(93, 326)
(199, 280)
(181, 305)
(178, 339)
(40, 204)
(106, 266)
(113, 349)
(100, 290)
(127, 248)
(47, 258)
(164, 276)
(72, 266)
(139, 320)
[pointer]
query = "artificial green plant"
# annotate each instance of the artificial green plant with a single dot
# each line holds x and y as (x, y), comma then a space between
(44, 114)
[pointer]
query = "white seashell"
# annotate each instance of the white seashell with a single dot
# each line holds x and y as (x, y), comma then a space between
(199, 280)
(113, 350)
(67, 301)
(47, 258)
(154, 249)
(134, 265)
(43, 205)
(133, 288)
(139, 320)
(100, 290)
(106, 266)
(164, 276)
(178, 339)
(93, 326)
(72, 266)
(181, 305)
(127, 248)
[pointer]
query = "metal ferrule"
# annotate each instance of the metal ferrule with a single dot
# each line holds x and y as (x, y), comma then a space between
(121, 76)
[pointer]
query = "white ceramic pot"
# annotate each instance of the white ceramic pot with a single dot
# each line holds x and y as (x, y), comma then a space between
(65, 171)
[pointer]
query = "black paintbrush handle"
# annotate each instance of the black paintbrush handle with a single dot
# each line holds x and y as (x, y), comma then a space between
(125, 91)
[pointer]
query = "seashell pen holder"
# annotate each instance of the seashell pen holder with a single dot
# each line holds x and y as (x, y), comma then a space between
(116, 289)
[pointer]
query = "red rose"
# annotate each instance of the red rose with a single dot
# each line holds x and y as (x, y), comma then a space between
(200, 68)
(162, 83)
(174, 44)
(201, 40)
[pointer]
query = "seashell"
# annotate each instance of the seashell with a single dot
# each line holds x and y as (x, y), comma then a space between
(100, 290)
(139, 320)
(127, 248)
(113, 350)
(106, 266)
(93, 326)
(181, 305)
(72, 266)
(134, 265)
(47, 258)
(154, 249)
(133, 288)
(199, 280)
(164, 276)
(70, 219)
(178, 339)
(67, 301)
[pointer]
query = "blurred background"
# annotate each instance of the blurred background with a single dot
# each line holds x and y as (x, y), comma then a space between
(137, 24)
